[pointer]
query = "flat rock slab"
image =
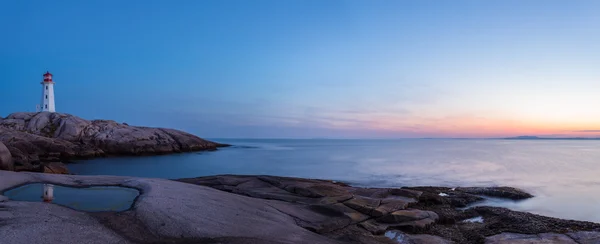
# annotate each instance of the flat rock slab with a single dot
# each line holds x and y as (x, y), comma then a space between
(544, 238)
(27, 222)
(407, 215)
(503, 191)
(400, 237)
(267, 209)
(364, 205)
(388, 206)
(167, 210)
(585, 237)
(412, 210)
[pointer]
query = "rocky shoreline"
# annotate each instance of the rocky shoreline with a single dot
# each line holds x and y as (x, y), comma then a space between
(240, 209)
(411, 214)
(269, 209)
(37, 139)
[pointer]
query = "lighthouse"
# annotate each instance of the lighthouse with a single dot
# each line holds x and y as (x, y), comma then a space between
(48, 93)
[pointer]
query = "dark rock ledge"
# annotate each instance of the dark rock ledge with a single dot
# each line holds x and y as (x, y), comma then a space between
(269, 210)
(414, 214)
(36, 139)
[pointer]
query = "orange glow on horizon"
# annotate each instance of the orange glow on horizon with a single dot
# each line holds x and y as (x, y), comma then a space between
(471, 126)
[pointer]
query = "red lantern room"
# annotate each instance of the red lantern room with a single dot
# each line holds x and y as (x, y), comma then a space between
(48, 77)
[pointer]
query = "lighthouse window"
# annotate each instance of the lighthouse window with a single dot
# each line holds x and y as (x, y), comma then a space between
(46, 87)
(46, 96)
(46, 106)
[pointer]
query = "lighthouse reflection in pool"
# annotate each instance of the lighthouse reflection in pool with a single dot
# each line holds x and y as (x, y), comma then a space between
(88, 199)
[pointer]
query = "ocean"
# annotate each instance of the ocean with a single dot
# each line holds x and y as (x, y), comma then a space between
(564, 175)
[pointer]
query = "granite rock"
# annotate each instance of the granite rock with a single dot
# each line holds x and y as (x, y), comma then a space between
(503, 192)
(543, 238)
(6, 161)
(46, 137)
(55, 168)
(420, 212)
(268, 210)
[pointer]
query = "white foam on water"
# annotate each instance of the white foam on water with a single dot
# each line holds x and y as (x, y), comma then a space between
(396, 236)
(443, 194)
(477, 219)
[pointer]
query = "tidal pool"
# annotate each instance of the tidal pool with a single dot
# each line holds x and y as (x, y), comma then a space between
(88, 199)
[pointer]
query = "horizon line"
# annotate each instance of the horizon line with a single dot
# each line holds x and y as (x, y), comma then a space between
(402, 138)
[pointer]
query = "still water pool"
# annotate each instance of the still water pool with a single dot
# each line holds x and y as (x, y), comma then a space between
(89, 199)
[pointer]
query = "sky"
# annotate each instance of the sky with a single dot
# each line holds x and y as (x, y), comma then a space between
(312, 68)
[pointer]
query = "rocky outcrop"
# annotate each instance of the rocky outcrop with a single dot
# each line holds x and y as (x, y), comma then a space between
(34, 138)
(166, 212)
(6, 161)
(272, 210)
(503, 192)
(407, 215)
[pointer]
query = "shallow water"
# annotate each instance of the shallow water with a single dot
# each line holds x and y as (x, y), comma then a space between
(90, 199)
(564, 175)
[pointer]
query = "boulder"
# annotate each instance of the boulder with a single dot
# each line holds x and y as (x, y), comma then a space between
(407, 215)
(364, 205)
(388, 206)
(6, 161)
(55, 168)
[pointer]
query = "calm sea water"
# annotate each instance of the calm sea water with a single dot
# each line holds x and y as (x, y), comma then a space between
(563, 175)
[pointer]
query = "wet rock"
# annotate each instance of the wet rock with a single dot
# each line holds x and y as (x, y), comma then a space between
(444, 195)
(506, 220)
(529, 239)
(6, 161)
(412, 220)
(503, 192)
(400, 237)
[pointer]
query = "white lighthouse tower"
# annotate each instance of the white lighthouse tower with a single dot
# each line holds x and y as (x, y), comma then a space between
(48, 93)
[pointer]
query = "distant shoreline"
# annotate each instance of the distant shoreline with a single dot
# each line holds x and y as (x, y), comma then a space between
(395, 139)
(549, 138)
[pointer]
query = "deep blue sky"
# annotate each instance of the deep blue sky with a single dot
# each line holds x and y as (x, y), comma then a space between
(310, 68)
